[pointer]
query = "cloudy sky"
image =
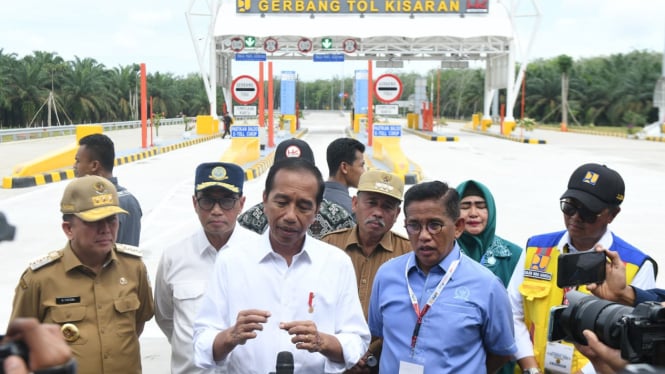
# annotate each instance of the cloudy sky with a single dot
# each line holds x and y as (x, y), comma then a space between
(123, 32)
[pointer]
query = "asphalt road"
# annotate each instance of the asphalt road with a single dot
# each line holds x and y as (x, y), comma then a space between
(526, 180)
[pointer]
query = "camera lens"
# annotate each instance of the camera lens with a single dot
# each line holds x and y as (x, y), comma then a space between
(586, 312)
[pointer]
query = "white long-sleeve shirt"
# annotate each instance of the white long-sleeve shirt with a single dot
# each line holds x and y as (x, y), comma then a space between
(253, 276)
(182, 275)
(644, 279)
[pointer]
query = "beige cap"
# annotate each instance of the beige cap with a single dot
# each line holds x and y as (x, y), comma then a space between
(91, 198)
(382, 182)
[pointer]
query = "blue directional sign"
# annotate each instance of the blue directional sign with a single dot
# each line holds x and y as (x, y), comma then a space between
(387, 130)
(250, 56)
(244, 131)
(328, 57)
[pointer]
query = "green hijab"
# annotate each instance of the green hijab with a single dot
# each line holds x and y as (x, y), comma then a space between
(495, 253)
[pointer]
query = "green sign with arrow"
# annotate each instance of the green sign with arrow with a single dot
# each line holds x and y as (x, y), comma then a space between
(326, 43)
(250, 41)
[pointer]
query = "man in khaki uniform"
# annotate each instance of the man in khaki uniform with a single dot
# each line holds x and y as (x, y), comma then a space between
(371, 242)
(96, 290)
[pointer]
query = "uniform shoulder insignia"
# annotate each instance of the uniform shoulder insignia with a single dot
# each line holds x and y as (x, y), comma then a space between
(338, 231)
(128, 250)
(45, 260)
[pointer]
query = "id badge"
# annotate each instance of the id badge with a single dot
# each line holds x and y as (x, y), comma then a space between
(410, 368)
(559, 358)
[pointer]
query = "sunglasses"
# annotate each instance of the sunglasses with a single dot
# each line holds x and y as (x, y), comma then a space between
(584, 213)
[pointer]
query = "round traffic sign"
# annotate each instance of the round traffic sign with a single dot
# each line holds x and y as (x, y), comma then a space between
(388, 88)
(245, 89)
(237, 44)
(304, 45)
(350, 45)
(270, 45)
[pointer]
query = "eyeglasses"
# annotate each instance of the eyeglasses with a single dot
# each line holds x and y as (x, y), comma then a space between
(432, 227)
(584, 213)
(208, 203)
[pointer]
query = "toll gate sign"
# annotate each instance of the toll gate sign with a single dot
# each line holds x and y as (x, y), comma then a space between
(388, 88)
(245, 89)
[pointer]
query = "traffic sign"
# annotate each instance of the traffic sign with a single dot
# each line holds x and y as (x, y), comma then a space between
(326, 43)
(328, 57)
(388, 88)
(388, 130)
(237, 44)
(248, 131)
(245, 89)
(250, 42)
(270, 45)
(244, 111)
(304, 45)
(250, 56)
(350, 45)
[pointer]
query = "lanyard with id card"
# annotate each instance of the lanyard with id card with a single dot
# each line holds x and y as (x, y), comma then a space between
(408, 367)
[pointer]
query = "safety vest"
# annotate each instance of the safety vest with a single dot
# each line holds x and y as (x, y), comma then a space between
(540, 292)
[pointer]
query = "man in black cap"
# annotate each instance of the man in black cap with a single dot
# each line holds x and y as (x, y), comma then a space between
(330, 217)
(591, 202)
(185, 266)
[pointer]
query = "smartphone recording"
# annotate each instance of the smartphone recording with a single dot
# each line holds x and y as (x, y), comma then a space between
(580, 268)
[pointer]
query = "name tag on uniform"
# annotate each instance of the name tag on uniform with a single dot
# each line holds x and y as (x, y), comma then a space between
(410, 368)
(558, 358)
(67, 300)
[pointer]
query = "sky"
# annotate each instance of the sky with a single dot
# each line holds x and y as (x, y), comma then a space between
(155, 32)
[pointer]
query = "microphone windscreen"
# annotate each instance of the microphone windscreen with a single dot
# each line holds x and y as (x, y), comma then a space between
(284, 363)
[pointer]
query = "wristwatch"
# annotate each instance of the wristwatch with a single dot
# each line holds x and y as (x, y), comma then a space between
(531, 371)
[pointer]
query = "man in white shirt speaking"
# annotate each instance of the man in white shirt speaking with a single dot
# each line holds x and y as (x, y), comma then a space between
(284, 291)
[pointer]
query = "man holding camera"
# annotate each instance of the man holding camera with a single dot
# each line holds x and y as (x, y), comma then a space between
(604, 358)
(591, 202)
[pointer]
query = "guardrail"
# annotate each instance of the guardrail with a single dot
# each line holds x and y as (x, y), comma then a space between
(14, 134)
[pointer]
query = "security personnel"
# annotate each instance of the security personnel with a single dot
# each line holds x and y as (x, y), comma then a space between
(371, 242)
(96, 290)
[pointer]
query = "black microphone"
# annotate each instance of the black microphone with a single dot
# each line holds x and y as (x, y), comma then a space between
(284, 363)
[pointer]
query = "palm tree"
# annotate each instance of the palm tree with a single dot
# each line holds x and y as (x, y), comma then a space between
(123, 86)
(565, 63)
(86, 91)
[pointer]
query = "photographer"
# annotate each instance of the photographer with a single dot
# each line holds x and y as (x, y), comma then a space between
(47, 350)
(604, 358)
(615, 287)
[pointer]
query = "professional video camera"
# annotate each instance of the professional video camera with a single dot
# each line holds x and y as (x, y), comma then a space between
(6, 230)
(638, 332)
(13, 347)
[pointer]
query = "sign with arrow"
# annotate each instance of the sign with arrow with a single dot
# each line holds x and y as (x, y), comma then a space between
(326, 43)
(250, 42)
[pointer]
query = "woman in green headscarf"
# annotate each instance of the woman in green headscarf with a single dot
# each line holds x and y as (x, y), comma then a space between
(479, 241)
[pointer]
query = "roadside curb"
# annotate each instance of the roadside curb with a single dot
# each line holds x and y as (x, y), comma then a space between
(429, 136)
(57, 176)
(263, 164)
(512, 138)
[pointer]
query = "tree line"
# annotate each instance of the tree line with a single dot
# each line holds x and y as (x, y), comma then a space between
(613, 90)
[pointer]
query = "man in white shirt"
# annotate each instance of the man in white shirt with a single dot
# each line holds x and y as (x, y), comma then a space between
(185, 266)
(591, 202)
(283, 291)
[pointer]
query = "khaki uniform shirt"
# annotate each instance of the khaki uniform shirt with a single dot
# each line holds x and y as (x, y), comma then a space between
(105, 308)
(391, 245)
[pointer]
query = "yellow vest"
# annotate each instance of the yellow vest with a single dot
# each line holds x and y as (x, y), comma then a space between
(540, 293)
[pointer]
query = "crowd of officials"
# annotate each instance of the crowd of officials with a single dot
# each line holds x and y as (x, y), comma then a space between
(318, 273)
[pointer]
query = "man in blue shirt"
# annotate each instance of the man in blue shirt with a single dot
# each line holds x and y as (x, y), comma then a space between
(437, 310)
